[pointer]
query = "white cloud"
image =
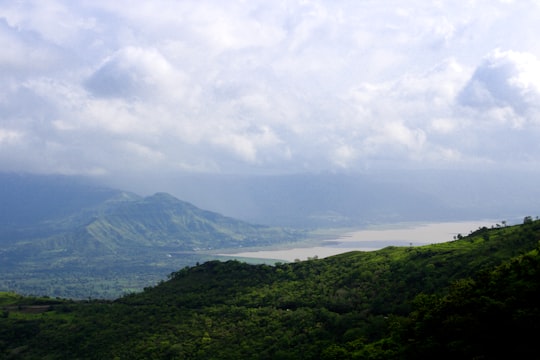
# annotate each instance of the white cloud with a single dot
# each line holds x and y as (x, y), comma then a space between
(134, 72)
(9, 136)
(505, 78)
(23, 52)
(263, 86)
(443, 126)
(395, 139)
(343, 155)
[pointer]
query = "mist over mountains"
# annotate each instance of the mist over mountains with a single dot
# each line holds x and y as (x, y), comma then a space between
(72, 236)
(357, 199)
(27, 198)
(68, 237)
(296, 200)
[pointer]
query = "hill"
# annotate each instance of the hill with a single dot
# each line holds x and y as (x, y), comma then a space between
(475, 297)
(97, 242)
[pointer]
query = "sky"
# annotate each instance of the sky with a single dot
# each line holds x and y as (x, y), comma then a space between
(107, 88)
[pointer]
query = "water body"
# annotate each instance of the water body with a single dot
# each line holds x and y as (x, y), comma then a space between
(373, 238)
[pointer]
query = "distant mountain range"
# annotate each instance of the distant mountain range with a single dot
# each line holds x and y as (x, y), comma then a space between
(58, 225)
(73, 237)
(314, 200)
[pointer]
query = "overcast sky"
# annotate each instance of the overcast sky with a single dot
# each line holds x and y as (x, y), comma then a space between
(108, 87)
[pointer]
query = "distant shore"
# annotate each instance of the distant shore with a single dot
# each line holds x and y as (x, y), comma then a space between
(373, 238)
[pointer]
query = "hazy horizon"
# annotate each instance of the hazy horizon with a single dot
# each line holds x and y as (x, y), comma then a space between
(301, 200)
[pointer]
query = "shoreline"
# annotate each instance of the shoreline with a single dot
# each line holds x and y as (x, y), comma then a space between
(366, 239)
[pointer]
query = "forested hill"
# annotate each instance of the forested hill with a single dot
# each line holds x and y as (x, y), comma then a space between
(475, 297)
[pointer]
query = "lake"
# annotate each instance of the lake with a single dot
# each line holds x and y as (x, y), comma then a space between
(372, 238)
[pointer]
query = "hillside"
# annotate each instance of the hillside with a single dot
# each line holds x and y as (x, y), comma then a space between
(111, 242)
(475, 297)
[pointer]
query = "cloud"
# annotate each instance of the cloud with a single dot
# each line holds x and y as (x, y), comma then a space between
(24, 53)
(506, 79)
(134, 72)
(9, 136)
(443, 126)
(116, 87)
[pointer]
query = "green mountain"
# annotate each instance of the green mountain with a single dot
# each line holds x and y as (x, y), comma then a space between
(131, 225)
(473, 298)
(119, 245)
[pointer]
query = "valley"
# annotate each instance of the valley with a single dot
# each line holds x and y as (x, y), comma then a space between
(473, 297)
(71, 238)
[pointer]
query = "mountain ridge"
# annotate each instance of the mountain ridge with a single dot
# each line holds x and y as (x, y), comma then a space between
(118, 231)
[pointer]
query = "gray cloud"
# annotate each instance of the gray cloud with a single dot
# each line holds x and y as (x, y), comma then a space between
(505, 79)
(111, 87)
(133, 72)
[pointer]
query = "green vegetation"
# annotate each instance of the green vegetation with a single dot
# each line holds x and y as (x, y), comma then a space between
(121, 245)
(472, 298)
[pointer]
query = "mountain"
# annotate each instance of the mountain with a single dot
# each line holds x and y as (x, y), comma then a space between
(159, 223)
(304, 200)
(166, 222)
(472, 298)
(106, 242)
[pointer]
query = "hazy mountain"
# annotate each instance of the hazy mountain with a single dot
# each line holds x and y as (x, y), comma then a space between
(162, 221)
(50, 208)
(310, 200)
(298, 200)
(93, 232)
(73, 231)
(348, 199)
